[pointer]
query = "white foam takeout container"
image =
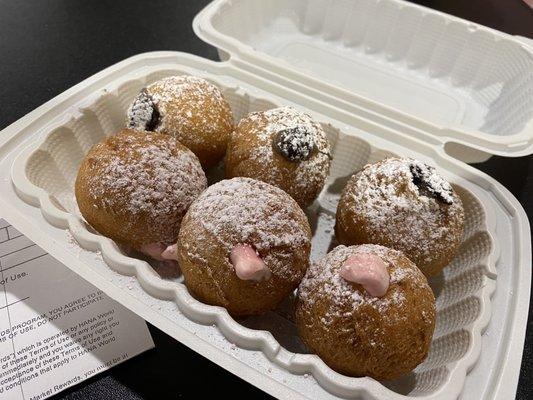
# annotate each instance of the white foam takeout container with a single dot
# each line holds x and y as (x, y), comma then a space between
(482, 297)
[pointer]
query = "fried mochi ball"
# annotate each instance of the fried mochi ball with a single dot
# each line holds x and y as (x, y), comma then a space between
(188, 108)
(283, 147)
(366, 311)
(404, 204)
(243, 245)
(135, 189)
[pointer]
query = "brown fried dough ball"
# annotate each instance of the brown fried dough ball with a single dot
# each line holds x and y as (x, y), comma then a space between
(406, 205)
(357, 333)
(283, 147)
(244, 245)
(135, 188)
(188, 108)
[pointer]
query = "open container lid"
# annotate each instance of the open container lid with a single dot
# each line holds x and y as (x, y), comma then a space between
(445, 80)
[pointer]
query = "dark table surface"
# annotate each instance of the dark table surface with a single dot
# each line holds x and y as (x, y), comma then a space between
(46, 46)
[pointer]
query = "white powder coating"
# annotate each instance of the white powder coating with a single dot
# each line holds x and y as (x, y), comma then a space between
(323, 280)
(307, 174)
(287, 118)
(428, 178)
(247, 211)
(383, 201)
(149, 177)
(185, 104)
(295, 144)
(140, 114)
(314, 169)
(167, 89)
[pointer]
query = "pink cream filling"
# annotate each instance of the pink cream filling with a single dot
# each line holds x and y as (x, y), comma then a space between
(247, 263)
(159, 251)
(369, 271)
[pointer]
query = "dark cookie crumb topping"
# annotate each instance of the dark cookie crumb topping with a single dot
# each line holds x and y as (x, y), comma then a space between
(430, 183)
(295, 144)
(143, 113)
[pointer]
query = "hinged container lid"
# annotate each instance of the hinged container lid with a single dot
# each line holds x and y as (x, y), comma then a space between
(420, 71)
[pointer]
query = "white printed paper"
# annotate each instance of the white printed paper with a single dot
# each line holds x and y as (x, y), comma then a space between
(55, 328)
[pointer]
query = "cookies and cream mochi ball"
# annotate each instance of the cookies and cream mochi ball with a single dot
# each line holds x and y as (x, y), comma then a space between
(404, 204)
(243, 245)
(284, 147)
(366, 310)
(188, 108)
(135, 188)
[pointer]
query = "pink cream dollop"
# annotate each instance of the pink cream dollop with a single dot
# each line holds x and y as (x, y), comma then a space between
(247, 263)
(160, 252)
(369, 271)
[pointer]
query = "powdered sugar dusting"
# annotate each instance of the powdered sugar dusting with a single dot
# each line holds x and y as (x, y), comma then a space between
(246, 211)
(199, 95)
(311, 170)
(427, 179)
(314, 169)
(142, 113)
(323, 279)
(385, 199)
(295, 144)
(148, 177)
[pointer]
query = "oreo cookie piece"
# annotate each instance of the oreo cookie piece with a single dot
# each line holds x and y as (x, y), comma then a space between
(295, 144)
(143, 113)
(430, 183)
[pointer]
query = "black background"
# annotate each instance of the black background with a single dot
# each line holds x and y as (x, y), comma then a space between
(46, 46)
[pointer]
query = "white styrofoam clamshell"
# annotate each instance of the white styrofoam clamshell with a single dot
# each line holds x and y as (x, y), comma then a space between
(43, 168)
(395, 62)
(44, 174)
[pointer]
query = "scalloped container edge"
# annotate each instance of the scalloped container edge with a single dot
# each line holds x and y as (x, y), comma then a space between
(461, 290)
(43, 170)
